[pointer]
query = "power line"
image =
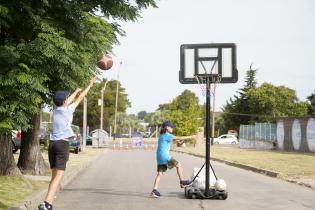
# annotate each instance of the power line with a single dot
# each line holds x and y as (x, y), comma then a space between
(251, 115)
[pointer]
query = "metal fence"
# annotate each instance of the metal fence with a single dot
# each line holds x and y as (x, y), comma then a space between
(259, 131)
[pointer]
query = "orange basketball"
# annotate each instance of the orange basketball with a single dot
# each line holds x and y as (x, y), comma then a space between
(105, 62)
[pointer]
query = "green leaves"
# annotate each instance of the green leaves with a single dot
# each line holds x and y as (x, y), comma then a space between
(109, 105)
(275, 101)
(185, 112)
(311, 104)
(53, 45)
(261, 104)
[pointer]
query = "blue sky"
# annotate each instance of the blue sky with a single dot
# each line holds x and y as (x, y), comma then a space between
(276, 36)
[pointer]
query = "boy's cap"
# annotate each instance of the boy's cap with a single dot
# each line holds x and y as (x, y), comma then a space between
(60, 96)
(168, 124)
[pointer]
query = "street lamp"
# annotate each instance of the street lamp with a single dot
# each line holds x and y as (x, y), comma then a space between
(116, 103)
(84, 121)
(102, 104)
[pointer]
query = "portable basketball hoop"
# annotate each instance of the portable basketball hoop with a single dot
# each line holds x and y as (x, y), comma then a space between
(207, 65)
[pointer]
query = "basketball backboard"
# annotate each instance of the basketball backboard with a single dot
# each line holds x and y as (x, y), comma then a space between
(217, 59)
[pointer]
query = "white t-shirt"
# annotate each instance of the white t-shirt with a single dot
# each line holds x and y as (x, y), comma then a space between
(62, 120)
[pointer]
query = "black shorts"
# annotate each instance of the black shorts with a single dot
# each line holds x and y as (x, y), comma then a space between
(170, 164)
(58, 154)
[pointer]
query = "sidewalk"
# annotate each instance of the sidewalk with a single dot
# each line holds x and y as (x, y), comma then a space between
(77, 163)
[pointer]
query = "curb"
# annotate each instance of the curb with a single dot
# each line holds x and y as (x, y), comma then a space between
(300, 183)
(238, 165)
(31, 202)
(251, 168)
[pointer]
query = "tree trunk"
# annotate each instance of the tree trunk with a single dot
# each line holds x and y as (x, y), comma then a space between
(31, 160)
(7, 163)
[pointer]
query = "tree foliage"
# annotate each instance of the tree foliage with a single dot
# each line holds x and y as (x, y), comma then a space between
(154, 118)
(237, 110)
(141, 115)
(311, 104)
(261, 104)
(51, 45)
(270, 101)
(125, 123)
(94, 110)
(185, 112)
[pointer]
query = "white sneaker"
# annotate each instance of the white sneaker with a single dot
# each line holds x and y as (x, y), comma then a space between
(42, 206)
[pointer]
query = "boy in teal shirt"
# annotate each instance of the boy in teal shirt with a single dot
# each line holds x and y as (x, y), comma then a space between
(164, 160)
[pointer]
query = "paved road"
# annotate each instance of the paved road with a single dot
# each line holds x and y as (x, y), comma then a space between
(124, 179)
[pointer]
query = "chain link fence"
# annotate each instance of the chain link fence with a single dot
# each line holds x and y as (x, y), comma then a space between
(258, 136)
(259, 131)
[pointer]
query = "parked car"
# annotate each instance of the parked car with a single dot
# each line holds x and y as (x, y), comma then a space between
(89, 140)
(75, 144)
(136, 134)
(225, 139)
(121, 135)
(146, 134)
(16, 140)
(43, 136)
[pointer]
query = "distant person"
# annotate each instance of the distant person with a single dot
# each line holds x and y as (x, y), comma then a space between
(58, 150)
(19, 134)
(164, 160)
(137, 140)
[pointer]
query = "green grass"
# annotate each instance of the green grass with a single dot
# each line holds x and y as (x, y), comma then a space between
(289, 165)
(87, 154)
(14, 190)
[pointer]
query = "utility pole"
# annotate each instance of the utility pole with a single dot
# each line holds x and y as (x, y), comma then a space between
(213, 114)
(116, 104)
(102, 105)
(84, 121)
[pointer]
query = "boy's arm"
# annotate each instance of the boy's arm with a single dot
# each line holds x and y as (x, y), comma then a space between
(72, 96)
(182, 138)
(84, 92)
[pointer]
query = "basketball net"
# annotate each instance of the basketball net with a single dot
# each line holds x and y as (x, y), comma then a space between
(202, 81)
(203, 85)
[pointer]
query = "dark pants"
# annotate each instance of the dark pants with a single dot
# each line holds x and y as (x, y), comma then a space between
(58, 154)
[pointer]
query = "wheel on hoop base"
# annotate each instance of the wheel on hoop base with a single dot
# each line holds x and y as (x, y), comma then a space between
(189, 193)
(223, 196)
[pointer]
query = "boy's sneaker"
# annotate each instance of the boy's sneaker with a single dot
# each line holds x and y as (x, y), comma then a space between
(45, 206)
(185, 183)
(155, 194)
(42, 206)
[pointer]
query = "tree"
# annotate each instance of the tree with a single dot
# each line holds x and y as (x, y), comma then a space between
(269, 101)
(46, 46)
(154, 118)
(185, 112)
(261, 104)
(141, 115)
(93, 111)
(311, 104)
(237, 110)
(125, 123)
(7, 162)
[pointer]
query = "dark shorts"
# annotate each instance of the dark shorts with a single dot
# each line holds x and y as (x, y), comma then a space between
(58, 154)
(170, 164)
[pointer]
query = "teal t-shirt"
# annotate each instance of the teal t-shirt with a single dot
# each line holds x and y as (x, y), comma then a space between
(163, 150)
